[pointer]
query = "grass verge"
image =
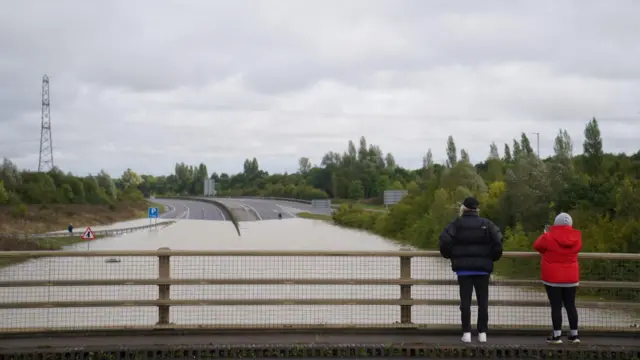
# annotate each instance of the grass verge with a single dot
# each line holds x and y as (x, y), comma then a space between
(39, 219)
(308, 215)
(366, 203)
(35, 244)
(161, 207)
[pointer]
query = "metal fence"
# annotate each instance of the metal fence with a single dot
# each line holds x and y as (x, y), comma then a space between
(108, 232)
(89, 290)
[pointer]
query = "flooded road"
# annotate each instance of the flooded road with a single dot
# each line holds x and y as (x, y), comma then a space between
(289, 234)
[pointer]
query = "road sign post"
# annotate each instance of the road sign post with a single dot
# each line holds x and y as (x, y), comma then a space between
(153, 214)
(88, 235)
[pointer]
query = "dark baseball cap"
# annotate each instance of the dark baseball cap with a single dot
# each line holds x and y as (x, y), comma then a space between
(471, 203)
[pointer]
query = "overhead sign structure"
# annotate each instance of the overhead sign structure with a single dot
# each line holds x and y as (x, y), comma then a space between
(209, 187)
(153, 213)
(392, 197)
(88, 234)
(321, 203)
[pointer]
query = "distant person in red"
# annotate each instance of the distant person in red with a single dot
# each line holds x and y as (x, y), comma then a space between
(560, 273)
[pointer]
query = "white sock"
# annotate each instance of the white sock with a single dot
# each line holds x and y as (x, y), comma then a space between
(574, 332)
(557, 333)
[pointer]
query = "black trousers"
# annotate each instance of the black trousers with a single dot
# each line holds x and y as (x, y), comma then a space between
(559, 296)
(481, 284)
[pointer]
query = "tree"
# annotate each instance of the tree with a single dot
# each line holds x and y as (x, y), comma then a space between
(507, 154)
(493, 151)
(563, 145)
(10, 175)
(452, 155)
(304, 165)
(593, 153)
(525, 145)
(363, 153)
(130, 179)
(463, 174)
(105, 182)
(464, 156)
(356, 190)
(428, 171)
(390, 161)
(517, 151)
(4, 194)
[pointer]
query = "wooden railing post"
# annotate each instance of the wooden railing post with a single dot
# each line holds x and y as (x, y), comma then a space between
(405, 290)
(164, 291)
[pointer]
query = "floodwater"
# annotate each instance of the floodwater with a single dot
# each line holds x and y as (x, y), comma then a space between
(290, 234)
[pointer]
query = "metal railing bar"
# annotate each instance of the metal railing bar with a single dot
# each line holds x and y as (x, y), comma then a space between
(244, 302)
(257, 281)
(265, 253)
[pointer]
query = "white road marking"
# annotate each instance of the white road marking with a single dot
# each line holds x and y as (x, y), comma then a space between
(285, 210)
(221, 213)
(251, 208)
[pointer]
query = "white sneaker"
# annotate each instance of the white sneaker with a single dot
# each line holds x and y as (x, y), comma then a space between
(482, 337)
(466, 338)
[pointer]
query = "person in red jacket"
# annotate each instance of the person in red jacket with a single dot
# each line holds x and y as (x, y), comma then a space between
(560, 273)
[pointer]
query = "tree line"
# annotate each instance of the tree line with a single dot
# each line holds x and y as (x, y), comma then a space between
(19, 188)
(522, 193)
(519, 191)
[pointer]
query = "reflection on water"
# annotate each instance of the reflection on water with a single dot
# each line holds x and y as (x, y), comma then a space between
(294, 234)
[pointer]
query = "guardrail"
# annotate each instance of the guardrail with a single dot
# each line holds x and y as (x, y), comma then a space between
(228, 214)
(308, 202)
(267, 198)
(98, 290)
(109, 232)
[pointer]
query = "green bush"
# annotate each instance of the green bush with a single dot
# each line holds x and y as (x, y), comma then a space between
(19, 211)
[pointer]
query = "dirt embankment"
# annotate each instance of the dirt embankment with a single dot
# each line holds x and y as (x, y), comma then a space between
(33, 219)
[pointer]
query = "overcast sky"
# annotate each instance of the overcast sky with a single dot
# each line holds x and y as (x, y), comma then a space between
(145, 84)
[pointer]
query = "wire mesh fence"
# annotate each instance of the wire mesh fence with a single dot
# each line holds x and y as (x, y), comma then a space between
(83, 290)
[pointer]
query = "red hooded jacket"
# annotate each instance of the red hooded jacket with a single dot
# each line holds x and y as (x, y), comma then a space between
(559, 249)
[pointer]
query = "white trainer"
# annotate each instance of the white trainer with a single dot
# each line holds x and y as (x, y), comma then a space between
(482, 337)
(466, 337)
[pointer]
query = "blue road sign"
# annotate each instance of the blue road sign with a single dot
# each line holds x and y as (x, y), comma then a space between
(153, 213)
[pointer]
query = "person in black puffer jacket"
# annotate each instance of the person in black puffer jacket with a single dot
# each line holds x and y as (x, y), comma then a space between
(473, 244)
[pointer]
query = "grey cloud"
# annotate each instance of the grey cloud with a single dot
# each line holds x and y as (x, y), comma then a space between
(206, 79)
(161, 48)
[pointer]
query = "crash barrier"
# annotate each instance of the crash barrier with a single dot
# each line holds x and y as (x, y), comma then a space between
(94, 290)
(224, 208)
(301, 201)
(109, 232)
(228, 214)
(309, 202)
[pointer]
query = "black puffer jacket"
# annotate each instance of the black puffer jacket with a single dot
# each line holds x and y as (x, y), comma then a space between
(472, 243)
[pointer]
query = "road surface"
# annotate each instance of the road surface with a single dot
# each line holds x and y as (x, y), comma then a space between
(269, 209)
(194, 210)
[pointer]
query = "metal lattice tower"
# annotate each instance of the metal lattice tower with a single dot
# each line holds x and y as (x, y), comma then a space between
(45, 162)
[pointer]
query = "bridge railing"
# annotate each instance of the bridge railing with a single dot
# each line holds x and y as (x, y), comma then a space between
(97, 290)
